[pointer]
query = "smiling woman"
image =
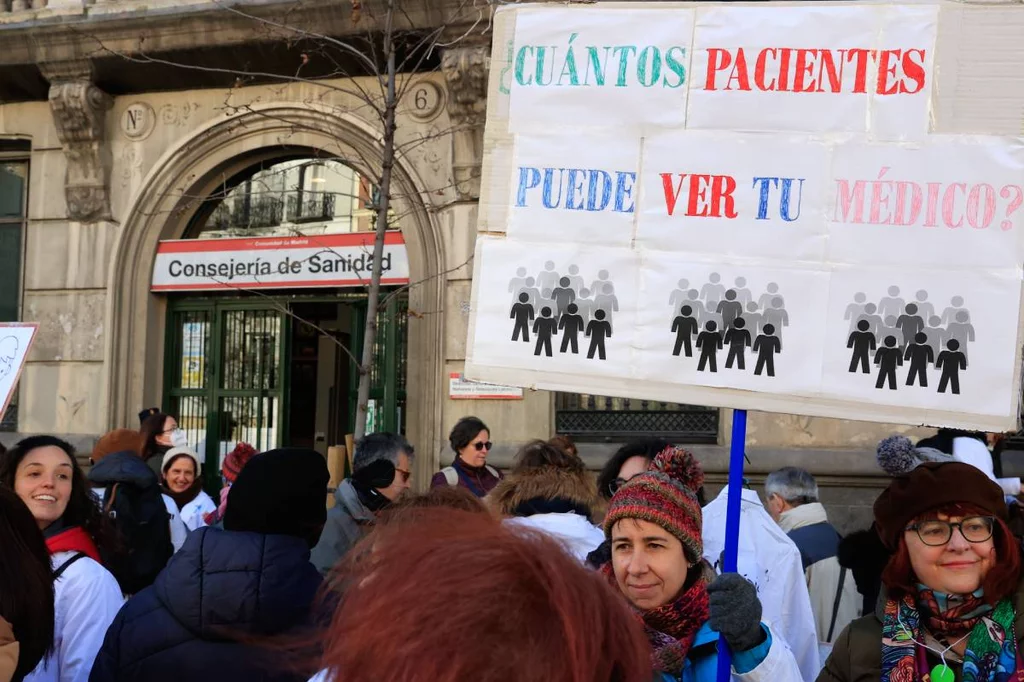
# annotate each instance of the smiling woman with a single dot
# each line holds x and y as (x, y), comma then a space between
(43, 472)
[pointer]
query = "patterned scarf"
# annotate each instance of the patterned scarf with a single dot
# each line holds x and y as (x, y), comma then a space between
(991, 654)
(672, 627)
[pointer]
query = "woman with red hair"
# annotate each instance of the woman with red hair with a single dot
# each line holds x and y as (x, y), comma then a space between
(516, 608)
(950, 607)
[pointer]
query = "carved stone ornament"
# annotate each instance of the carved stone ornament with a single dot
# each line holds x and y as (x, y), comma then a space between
(465, 71)
(79, 111)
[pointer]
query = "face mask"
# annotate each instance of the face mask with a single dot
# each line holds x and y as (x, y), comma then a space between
(179, 439)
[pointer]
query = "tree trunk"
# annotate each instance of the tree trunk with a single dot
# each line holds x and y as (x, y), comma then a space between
(383, 205)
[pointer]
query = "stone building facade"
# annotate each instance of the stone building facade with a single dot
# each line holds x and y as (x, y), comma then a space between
(118, 147)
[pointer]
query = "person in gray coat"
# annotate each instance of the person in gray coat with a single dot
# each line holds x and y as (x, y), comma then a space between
(380, 474)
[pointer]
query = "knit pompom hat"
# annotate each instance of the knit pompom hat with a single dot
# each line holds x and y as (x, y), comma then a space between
(898, 456)
(666, 495)
(236, 460)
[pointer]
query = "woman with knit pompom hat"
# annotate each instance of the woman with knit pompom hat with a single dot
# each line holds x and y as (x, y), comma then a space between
(233, 464)
(654, 525)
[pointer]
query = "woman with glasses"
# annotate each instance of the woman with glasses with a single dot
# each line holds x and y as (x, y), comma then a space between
(160, 432)
(950, 607)
(471, 441)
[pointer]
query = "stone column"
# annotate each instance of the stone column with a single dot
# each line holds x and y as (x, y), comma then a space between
(465, 70)
(79, 111)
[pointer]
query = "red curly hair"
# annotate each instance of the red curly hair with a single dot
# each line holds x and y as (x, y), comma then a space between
(450, 596)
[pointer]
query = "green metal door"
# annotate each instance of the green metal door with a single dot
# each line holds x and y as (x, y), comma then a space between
(388, 374)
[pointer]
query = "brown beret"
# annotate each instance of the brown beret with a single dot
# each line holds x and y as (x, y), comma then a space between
(930, 486)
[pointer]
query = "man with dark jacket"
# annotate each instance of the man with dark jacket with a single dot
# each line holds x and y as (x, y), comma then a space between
(229, 588)
(380, 474)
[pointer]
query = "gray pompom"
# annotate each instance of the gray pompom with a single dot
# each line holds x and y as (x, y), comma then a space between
(896, 455)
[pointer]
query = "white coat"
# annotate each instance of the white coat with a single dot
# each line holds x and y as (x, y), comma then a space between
(770, 560)
(86, 599)
(577, 534)
(192, 513)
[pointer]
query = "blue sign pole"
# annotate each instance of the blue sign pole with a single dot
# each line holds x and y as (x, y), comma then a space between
(732, 522)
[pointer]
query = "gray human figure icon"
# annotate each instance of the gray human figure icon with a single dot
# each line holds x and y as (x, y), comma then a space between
(685, 328)
(607, 301)
(855, 309)
(937, 334)
(891, 304)
(874, 321)
(738, 340)
(765, 302)
(776, 316)
(563, 295)
(544, 327)
(956, 305)
(924, 307)
(545, 300)
(919, 354)
(571, 325)
(598, 330)
(585, 305)
(862, 341)
(713, 291)
(888, 357)
(729, 309)
(743, 294)
(766, 345)
(548, 278)
(522, 313)
(530, 289)
(951, 361)
(678, 297)
(889, 329)
(709, 342)
(516, 284)
(753, 319)
(598, 285)
(962, 330)
(575, 278)
(699, 311)
(909, 324)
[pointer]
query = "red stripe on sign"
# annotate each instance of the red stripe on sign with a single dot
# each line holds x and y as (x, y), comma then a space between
(328, 241)
(310, 284)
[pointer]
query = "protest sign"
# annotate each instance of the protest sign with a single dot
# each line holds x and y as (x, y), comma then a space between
(801, 240)
(15, 342)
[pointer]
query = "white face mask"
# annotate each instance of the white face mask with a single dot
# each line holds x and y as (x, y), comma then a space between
(179, 439)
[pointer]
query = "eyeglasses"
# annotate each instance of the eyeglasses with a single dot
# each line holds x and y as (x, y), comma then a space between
(405, 474)
(936, 533)
(614, 486)
(479, 447)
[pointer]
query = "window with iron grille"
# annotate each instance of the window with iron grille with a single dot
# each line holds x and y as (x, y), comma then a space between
(13, 199)
(600, 418)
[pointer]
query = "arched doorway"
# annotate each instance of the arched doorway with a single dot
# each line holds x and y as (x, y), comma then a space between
(175, 198)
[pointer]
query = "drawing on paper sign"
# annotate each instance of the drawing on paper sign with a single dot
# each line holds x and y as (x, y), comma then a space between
(552, 304)
(8, 352)
(895, 333)
(716, 318)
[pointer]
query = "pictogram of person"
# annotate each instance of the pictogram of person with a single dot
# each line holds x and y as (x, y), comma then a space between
(678, 296)
(742, 292)
(962, 330)
(729, 309)
(919, 354)
(855, 309)
(571, 325)
(709, 342)
(545, 301)
(956, 305)
(699, 312)
(585, 305)
(875, 323)
(753, 319)
(862, 341)
(777, 316)
(924, 307)
(548, 278)
(738, 340)
(891, 304)
(522, 313)
(888, 357)
(597, 286)
(951, 361)
(606, 300)
(685, 328)
(766, 346)
(516, 284)
(765, 302)
(544, 327)
(713, 291)
(889, 329)
(910, 324)
(575, 279)
(937, 335)
(563, 295)
(530, 289)
(598, 330)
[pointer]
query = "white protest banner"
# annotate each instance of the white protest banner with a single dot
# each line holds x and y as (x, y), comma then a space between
(811, 250)
(340, 260)
(15, 342)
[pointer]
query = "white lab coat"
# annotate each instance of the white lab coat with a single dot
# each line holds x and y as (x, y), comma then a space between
(770, 560)
(576, 533)
(86, 599)
(192, 513)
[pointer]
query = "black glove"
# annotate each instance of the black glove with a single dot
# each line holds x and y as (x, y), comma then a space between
(736, 611)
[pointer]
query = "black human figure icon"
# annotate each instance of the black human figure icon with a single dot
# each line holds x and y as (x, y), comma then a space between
(910, 323)
(729, 309)
(571, 324)
(545, 327)
(598, 330)
(920, 355)
(563, 295)
(888, 357)
(709, 342)
(951, 361)
(862, 341)
(766, 346)
(522, 313)
(738, 340)
(685, 328)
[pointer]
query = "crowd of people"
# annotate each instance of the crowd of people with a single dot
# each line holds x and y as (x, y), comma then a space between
(130, 571)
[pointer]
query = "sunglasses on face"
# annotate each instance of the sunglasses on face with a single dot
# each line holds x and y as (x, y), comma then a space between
(479, 447)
